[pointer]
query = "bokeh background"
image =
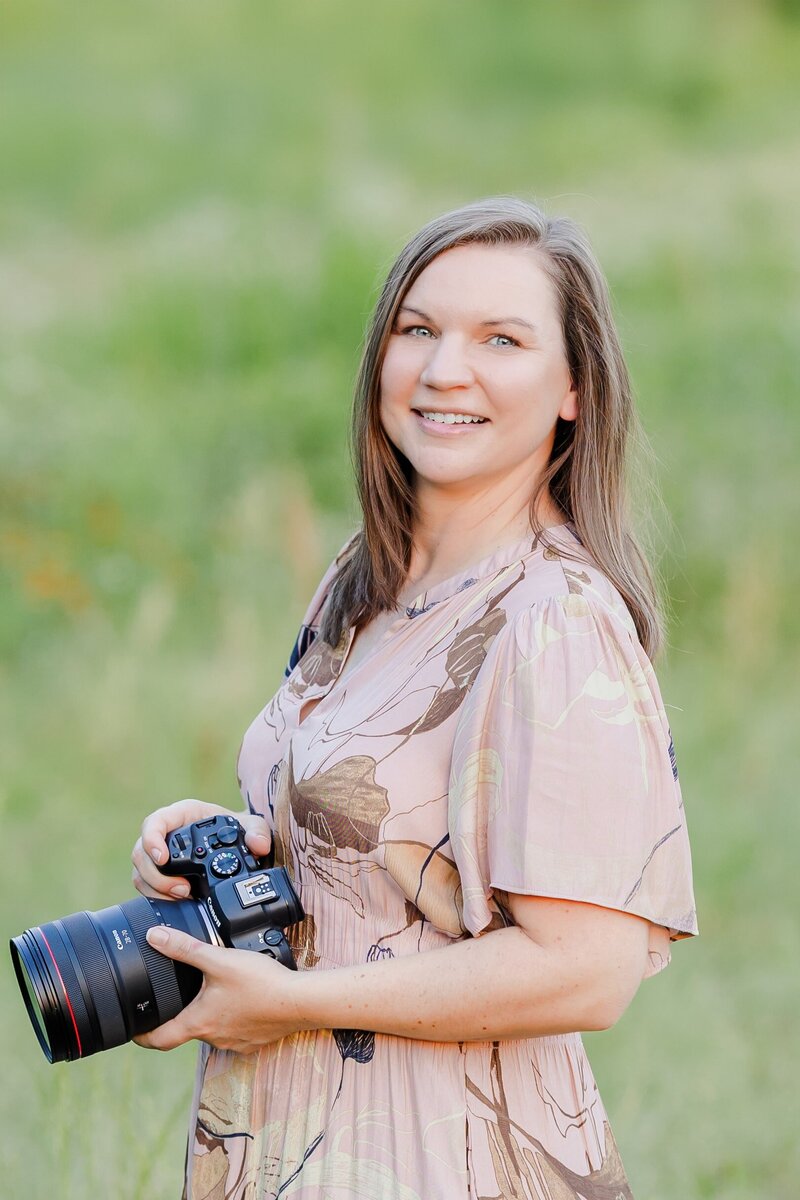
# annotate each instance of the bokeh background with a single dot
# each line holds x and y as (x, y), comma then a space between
(198, 203)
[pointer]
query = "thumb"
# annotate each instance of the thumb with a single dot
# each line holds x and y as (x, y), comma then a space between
(257, 834)
(176, 944)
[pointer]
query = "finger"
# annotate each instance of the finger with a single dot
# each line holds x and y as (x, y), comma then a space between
(159, 884)
(256, 834)
(169, 1035)
(180, 946)
(159, 823)
(142, 886)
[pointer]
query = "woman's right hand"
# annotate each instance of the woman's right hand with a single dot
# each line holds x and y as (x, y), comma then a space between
(151, 847)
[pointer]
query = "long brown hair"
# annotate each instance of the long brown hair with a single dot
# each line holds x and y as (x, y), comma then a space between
(587, 474)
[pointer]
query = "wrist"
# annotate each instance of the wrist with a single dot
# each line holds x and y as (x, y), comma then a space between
(306, 999)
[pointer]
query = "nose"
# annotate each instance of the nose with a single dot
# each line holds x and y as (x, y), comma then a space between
(446, 366)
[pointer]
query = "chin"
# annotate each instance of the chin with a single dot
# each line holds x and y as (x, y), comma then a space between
(446, 478)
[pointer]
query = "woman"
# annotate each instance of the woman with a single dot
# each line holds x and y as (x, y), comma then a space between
(468, 770)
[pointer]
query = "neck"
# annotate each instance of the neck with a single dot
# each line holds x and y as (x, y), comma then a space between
(452, 533)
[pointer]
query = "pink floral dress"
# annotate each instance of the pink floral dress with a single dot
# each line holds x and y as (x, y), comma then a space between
(507, 735)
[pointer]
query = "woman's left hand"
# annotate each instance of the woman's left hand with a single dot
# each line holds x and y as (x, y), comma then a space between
(246, 999)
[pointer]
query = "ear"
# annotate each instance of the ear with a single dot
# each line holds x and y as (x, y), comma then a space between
(569, 405)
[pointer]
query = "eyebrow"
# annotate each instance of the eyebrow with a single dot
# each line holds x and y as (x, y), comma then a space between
(492, 321)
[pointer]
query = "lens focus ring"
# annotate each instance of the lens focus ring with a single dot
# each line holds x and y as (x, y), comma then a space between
(161, 971)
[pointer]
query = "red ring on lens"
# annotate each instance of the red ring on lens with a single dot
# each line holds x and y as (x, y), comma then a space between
(66, 997)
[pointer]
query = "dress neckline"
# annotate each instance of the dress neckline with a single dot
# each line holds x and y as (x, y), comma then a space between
(501, 557)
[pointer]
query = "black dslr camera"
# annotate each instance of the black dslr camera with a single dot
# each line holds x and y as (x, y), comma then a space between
(92, 981)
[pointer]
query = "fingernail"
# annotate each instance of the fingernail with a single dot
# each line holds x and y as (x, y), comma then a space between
(180, 892)
(156, 855)
(157, 936)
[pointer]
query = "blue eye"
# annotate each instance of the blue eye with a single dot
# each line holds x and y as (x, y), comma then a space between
(409, 329)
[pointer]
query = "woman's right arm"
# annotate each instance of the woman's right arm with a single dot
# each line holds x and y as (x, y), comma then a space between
(151, 846)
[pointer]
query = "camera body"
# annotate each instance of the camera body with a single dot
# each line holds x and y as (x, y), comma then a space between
(249, 904)
(92, 981)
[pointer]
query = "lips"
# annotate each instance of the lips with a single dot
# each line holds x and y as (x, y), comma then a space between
(439, 429)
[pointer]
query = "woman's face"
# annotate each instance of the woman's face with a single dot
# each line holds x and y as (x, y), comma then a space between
(478, 334)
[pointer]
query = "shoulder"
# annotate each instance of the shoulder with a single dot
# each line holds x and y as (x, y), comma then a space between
(310, 622)
(315, 606)
(568, 665)
(570, 654)
(565, 589)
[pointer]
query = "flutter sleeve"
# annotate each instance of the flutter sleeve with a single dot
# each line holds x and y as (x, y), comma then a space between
(563, 779)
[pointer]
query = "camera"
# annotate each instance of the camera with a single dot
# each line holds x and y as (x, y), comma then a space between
(91, 981)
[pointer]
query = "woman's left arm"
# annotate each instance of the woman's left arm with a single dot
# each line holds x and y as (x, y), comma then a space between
(565, 966)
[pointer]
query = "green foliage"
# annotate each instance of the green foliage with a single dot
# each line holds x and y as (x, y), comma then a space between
(197, 206)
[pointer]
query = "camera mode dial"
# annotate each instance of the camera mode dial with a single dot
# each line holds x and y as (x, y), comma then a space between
(225, 864)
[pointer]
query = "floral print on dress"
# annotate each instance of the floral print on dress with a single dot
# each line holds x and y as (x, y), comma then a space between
(507, 734)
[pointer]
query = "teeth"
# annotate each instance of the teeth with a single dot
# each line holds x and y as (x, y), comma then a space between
(452, 418)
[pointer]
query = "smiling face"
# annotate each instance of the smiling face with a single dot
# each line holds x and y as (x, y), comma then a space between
(478, 334)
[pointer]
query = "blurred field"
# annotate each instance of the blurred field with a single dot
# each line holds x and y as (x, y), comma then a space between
(197, 204)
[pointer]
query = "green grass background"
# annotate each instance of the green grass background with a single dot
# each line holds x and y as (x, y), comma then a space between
(197, 204)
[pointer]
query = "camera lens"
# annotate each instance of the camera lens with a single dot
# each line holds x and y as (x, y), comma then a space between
(33, 1004)
(91, 981)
